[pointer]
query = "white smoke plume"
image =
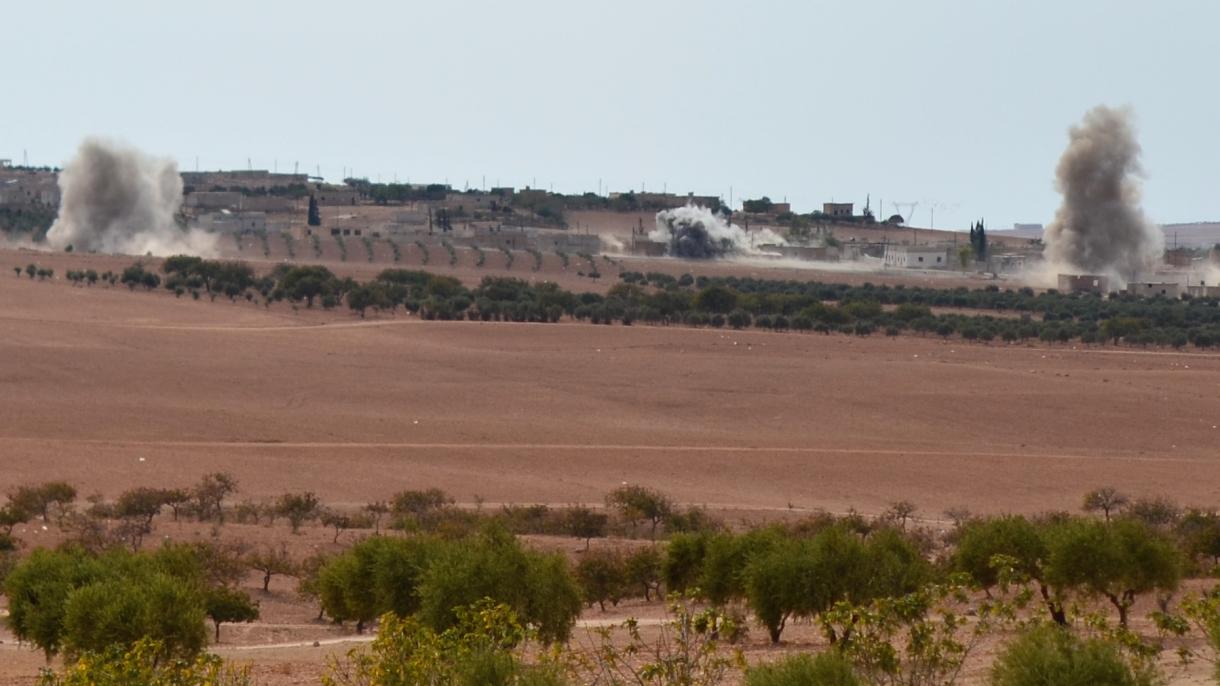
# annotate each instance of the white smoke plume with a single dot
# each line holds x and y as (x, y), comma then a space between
(1100, 228)
(697, 232)
(117, 199)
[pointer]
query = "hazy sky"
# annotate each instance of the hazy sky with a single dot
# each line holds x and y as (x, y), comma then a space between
(959, 105)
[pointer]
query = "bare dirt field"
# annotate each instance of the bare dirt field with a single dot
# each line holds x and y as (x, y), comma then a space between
(111, 389)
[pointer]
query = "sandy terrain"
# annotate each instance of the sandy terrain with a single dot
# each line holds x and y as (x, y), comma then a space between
(111, 389)
(94, 378)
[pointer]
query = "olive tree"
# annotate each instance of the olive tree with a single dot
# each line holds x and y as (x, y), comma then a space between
(1118, 561)
(71, 600)
(582, 522)
(642, 570)
(1015, 540)
(224, 604)
(639, 503)
(298, 508)
(209, 495)
(271, 561)
(1106, 500)
(602, 576)
(538, 587)
(41, 499)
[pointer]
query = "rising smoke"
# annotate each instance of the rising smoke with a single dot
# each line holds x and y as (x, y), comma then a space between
(117, 199)
(1100, 227)
(697, 232)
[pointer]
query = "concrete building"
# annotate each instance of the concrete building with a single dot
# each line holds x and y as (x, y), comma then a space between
(530, 196)
(268, 203)
(1155, 289)
(225, 221)
(29, 189)
(1179, 257)
(241, 178)
(10, 194)
(838, 209)
(336, 196)
(648, 248)
(819, 253)
(1202, 290)
(213, 200)
(1083, 283)
(916, 257)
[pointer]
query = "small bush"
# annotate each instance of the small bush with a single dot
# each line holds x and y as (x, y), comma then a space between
(1050, 656)
(826, 669)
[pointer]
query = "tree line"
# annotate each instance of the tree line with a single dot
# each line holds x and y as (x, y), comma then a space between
(732, 302)
(864, 583)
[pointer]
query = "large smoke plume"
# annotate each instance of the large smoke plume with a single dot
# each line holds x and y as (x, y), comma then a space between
(1100, 227)
(697, 232)
(116, 199)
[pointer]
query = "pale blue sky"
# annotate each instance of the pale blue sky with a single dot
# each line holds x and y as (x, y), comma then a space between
(964, 104)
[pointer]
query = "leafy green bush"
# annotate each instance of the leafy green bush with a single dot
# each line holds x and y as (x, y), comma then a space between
(602, 577)
(144, 664)
(824, 669)
(1053, 656)
(482, 648)
(538, 587)
(76, 602)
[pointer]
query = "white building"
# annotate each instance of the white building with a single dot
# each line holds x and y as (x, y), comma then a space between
(916, 257)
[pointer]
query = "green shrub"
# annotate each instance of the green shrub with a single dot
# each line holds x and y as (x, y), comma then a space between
(144, 664)
(538, 587)
(76, 602)
(1052, 656)
(602, 577)
(482, 648)
(825, 669)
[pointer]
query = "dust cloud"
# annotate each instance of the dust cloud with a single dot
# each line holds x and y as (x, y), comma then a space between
(117, 199)
(1100, 227)
(697, 232)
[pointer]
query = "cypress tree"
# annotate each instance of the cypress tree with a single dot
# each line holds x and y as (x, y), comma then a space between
(315, 217)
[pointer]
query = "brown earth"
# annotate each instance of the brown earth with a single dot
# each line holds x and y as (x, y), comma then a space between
(112, 389)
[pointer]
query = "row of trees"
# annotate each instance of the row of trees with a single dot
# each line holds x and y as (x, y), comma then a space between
(489, 646)
(870, 586)
(662, 299)
(433, 577)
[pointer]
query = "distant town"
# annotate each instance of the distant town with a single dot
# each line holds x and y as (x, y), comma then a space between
(261, 202)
